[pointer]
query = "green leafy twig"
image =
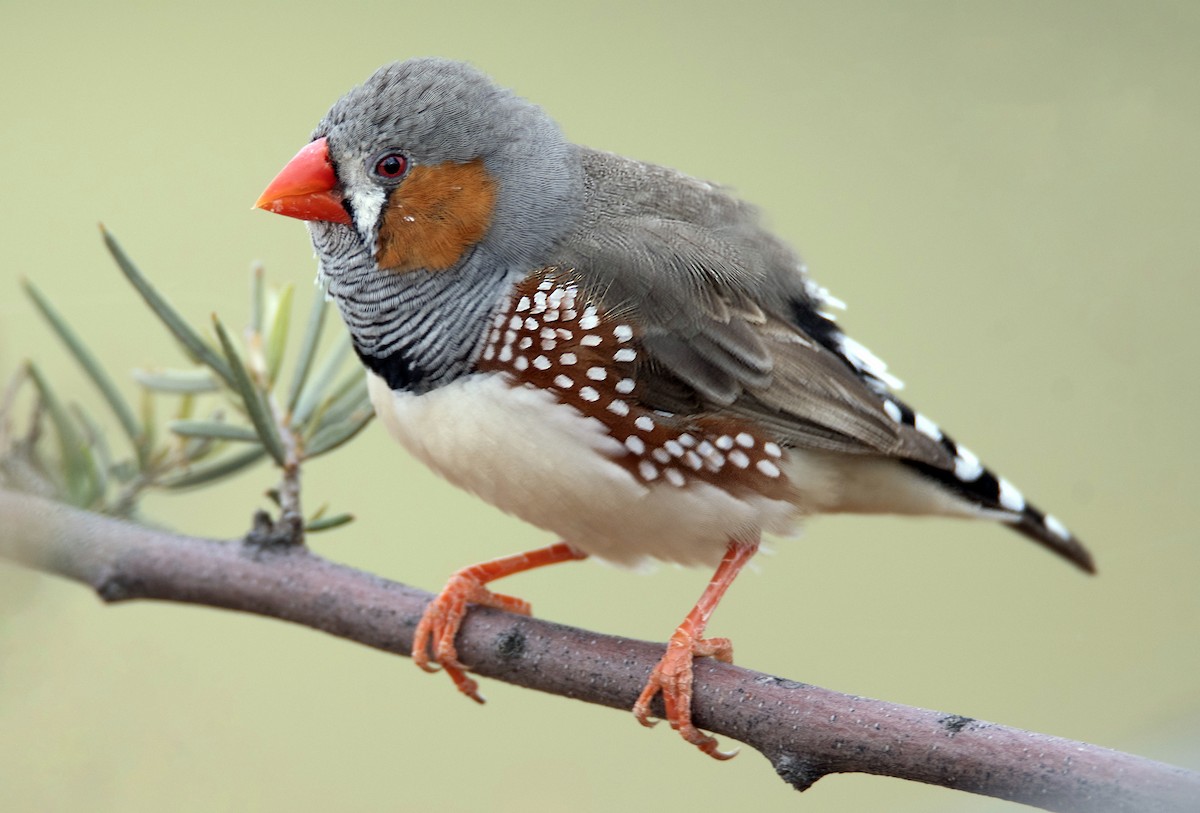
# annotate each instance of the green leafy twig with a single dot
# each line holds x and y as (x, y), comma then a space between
(318, 413)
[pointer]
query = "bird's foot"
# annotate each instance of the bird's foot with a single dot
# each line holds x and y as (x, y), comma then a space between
(673, 677)
(440, 623)
(444, 615)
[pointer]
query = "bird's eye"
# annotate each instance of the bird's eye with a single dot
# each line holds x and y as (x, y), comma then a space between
(391, 166)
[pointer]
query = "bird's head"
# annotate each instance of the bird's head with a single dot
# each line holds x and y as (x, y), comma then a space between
(426, 162)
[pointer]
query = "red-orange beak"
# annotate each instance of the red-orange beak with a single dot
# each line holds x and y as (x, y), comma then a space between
(305, 188)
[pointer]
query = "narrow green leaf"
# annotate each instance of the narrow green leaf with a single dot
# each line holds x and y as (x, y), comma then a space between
(196, 449)
(192, 341)
(187, 405)
(326, 523)
(146, 405)
(91, 366)
(316, 389)
(277, 332)
(217, 430)
(177, 381)
(76, 461)
(308, 347)
(336, 434)
(349, 397)
(98, 453)
(216, 470)
(256, 405)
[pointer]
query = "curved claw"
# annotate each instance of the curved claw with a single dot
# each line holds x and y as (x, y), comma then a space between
(673, 678)
(441, 621)
(444, 615)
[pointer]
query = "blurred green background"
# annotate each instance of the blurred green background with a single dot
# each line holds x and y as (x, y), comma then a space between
(1005, 193)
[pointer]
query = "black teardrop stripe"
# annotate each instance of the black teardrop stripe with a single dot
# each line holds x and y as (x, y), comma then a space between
(396, 370)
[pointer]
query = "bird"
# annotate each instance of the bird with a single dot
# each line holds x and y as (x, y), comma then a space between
(611, 350)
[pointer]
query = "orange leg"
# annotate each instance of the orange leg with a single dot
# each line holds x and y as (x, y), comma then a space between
(673, 674)
(444, 615)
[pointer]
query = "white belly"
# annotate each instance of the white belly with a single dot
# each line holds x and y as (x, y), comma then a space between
(523, 451)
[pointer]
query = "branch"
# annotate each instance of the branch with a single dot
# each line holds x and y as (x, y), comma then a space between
(805, 731)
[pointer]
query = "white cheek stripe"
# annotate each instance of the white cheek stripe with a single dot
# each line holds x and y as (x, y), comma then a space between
(367, 203)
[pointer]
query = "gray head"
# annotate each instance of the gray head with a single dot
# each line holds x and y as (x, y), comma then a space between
(433, 158)
(428, 190)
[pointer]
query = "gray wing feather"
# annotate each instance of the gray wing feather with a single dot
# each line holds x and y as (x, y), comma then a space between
(714, 296)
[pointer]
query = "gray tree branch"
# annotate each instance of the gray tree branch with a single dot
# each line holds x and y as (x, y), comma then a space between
(806, 732)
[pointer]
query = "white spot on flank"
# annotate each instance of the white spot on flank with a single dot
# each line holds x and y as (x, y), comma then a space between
(693, 460)
(589, 394)
(523, 305)
(966, 465)
(738, 458)
(506, 353)
(647, 470)
(510, 336)
(644, 423)
(562, 382)
(767, 467)
(623, 333)
(590, 340)
(515, 323)
(928, 428)
(635, 444)
(725, 442)
(1010, 497)
(618, 407)
(563, 333)
(661, 456)
(531, 323)
(489, 352)
(893, 411)
(546, 285)
(549, 344)
(624, 354)
(624, 386)
(674, 448)
(772, 449)
(674, 477)
(567, 358)
(521, 363)
(589, 320)
(1055, 527)
(541, 362)
(705, 448)
(597, 373)
(525, 343)
(745, 440)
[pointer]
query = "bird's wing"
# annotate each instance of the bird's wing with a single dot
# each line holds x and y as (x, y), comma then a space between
(721, 336)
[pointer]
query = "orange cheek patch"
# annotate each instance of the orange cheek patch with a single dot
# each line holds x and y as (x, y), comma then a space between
(436, 215)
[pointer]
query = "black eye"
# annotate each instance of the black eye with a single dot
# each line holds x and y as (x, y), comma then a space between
(391, 166)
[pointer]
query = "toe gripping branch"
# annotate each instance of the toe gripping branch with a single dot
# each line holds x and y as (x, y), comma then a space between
(444, 615)
(674, 676)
